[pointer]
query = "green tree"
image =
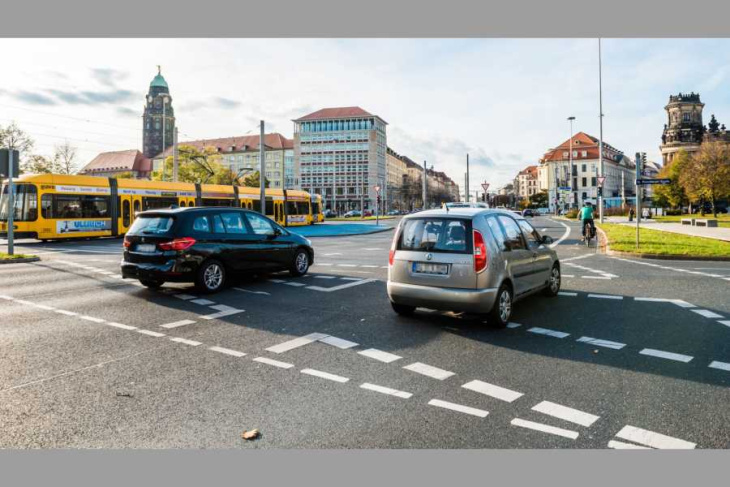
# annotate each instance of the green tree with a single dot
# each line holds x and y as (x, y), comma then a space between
(673, 194)
(706, 176)
(253, 180)
(37, 164)
(539, 200)
(195, 166)
(124, 175)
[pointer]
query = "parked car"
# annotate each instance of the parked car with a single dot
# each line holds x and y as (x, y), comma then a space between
(367, 213)
(393, 213)
(543, 211)
(329, 214)
(469, 260)
(207, 245)
(527, 212)
(352, 214)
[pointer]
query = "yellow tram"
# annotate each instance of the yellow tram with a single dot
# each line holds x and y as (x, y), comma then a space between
(54, 206)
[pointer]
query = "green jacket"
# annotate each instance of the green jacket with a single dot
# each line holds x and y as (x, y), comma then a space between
(586, 213)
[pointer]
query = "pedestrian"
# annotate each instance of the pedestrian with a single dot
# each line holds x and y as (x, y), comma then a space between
(631, 214)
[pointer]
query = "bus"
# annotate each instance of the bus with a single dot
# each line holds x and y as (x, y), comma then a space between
(317, 210)
(55, 206)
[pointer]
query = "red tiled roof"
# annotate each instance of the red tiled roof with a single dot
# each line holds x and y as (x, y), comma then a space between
(341, 112)
(126, 160)
(581, 142)
(274, 141)
(531, 170)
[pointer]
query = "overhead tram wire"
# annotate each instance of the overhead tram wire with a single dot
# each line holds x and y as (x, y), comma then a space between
(87, 120)
(22, 122)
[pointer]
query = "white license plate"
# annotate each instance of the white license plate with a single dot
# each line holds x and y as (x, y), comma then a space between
(146, 248)
(429, 268)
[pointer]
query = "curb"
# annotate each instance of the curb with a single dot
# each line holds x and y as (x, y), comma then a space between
(20, 261)
(380, 230)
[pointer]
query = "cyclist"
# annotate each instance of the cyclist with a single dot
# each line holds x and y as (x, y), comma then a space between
(585, 215)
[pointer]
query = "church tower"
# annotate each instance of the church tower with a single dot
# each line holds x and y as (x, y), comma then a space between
(684, 129)
(159, 117)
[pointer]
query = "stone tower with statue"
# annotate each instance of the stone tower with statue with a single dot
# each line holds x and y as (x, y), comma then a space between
(684, 129)
(158, 119)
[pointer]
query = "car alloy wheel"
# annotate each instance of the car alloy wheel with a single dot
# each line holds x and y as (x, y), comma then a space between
(213, 276)
(302, 262)
(555, 280)
(505, 305)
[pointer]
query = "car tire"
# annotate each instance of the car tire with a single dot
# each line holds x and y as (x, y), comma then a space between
(300, 265)
(501, 312)
(403, 309)
(211, 277)
(151, 283)
(554, 281)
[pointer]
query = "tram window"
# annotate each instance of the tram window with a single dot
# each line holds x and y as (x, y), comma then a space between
(269, 206)
(136, 207)
(151, 203)
(218, 202)
(257, 206)
(126, 213)
(74, 206)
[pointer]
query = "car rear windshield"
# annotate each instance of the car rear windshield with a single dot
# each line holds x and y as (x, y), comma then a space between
(152, 225)
(436, 235)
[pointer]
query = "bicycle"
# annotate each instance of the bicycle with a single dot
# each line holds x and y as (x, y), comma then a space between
(588, 233)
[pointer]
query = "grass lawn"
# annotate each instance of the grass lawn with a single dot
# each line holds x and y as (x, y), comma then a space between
(623, 238)
(4, 256)
(723, 219)
(356, 219)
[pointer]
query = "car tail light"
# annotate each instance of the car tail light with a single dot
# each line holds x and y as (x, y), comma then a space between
(177, 244)
(480, 252)
(126, 244)
(391, 254)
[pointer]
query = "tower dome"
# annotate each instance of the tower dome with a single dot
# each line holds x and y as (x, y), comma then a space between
(158, 81)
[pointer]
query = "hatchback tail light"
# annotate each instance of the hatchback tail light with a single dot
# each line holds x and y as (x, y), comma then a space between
(177, 244)
(480, 252)
(391, 254)
(126, 244)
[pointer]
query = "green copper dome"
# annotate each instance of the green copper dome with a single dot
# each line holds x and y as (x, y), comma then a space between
(158, 80)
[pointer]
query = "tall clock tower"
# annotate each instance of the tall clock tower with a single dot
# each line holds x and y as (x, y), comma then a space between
(159, 117)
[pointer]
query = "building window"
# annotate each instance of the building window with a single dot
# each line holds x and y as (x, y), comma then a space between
(686, 117)
(584, 182)
(583, 168)
(593, 181)
(585, 153)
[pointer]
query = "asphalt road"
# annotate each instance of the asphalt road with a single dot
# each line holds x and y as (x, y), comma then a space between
(632, 352)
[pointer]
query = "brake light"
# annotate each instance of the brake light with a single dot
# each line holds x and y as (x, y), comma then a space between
(177, 244)
(480, 252)
(126, 244)
(391, 254)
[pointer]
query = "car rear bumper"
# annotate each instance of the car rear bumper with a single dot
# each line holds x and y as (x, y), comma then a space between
(159, 272)
(446, 299)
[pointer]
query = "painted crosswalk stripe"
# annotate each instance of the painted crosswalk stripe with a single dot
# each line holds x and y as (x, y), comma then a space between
(724, 322)
(277, 281)
(605, 296)
(296, 343)
(275, 363)
(544, 428)
(654, 300)
(497, 392)
(565, 293)
(223, 311)
(719, 365)
(667, 355)
(429, 371)
(228, 351)
(325, 375)
(380, 355)
(650, 438)
(620, 445)
(120, 325)
(513, 325)
(547, 332)
(563, 412)
(192, 343)
(92, 319)
(707, 313)
(605, 278)
(338, 342)
(386, 390)
(351, 278)
(175, 324)
(294, 284)
(151, 333)
(602, 343)
(325, 277)
(185, 297)
(458, 407)
(203, 302)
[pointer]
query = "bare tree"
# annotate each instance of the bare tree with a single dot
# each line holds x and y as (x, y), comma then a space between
(14, 138)
(65, 158)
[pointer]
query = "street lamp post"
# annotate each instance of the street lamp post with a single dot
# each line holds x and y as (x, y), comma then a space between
(573, 190)
(600, 135)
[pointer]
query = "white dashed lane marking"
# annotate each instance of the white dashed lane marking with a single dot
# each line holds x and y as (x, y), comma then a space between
(338, 342)
(176, 324)
(563, 293)
(429, 371)
(203, 302)
(380, 355)
(458, 407)
(601, 343)
(151, 333)
(724, 322)
(92, 319)
(719, 365)
(386, 390)
(192, 343)
(120, 326)
(568, 414)
(655, 440)
(678, 357)
(547, 332)
(227, 351)
(325, 375)
(544, 428)
(492, 390)
(620, 445)
(605, 296)
(296, 343)
(707, 313)
(185, 297)
(275, 363)
(223, 311)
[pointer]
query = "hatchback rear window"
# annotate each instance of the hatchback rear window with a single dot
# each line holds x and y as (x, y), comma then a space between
(152, 225)
(436, 235)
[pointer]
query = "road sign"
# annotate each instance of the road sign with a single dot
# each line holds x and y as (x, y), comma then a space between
(653, 181)
(485, 186)
(601, 179)
(377, 189)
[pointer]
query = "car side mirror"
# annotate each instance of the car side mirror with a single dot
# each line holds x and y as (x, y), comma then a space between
(547, 239)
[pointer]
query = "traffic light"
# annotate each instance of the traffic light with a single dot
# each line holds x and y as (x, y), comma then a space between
(643, 163)
(600, 191)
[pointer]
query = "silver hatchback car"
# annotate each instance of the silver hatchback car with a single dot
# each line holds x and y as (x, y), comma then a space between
(470, 260)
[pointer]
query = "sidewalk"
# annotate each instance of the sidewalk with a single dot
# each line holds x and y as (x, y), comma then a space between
(717, 233)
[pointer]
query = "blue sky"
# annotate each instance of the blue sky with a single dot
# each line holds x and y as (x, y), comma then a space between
(505, 101)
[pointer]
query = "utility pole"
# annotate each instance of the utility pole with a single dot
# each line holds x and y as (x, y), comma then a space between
(174, 156)
(467, 178)
(164, 117)
(573, 194)
(262, 170)
(638, 197)
(11, 202)
(424, 185)
(600, 134)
